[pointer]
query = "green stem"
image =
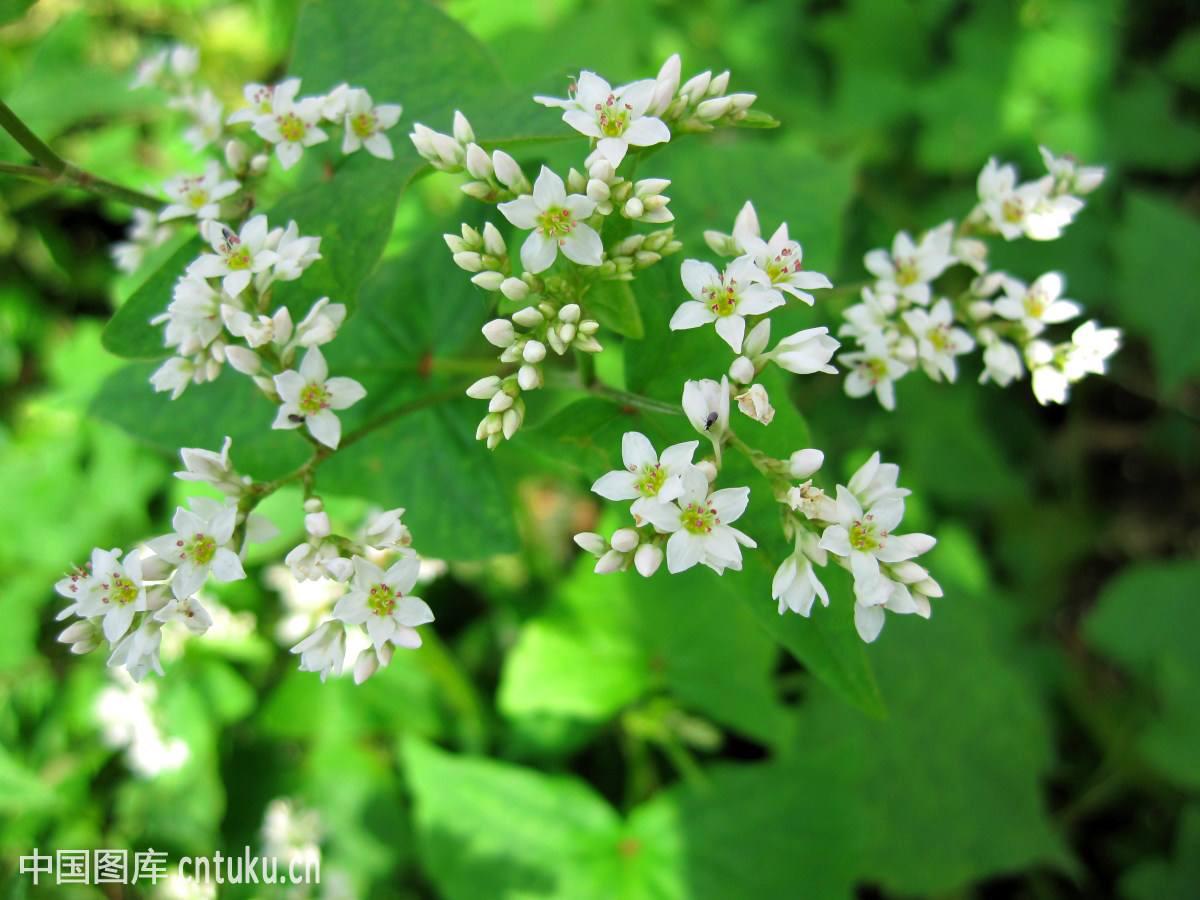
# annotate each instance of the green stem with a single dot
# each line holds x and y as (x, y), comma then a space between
(52, 169)
(627, 398)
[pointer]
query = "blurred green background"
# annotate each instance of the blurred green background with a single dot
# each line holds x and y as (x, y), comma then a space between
(565, 735)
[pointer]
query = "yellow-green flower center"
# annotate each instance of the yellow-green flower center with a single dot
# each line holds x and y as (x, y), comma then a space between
(556, 223)
(122, 591)
(1013, 211)
(201, 549)
(722, 300)
(876, 369)
(198, 197)
(1035, 306)
(612, 116)
(699, 518)
(239, 259)
(939, 337)
(906, 272)
(292, 127)
(313, 398)
(381, 600)
(863, 535)
(651, 480)
(363, 125)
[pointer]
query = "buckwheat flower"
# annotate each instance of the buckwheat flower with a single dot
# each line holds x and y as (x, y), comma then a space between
(811, 502)
(117, 592)
(755, 403)
(1091, 346)
(238, 257)
(876, 481)
(206, 112)
(257, 330)
(1028, 209)
(1001, 361)
(198, 195)
(938, 341)
(321, 324)
(370, 661)
(324, 650)
(1049, 381)
(174, 375)
(188, 611)
(292, 124)
(259, 99)
(1037, 305)
(384, 530)
(144, 234)
(199, 547)
(647, 478)
(699, 525)
(615, 117)
(310, 396)
(872, 316)
(781, 259)
(706, 404)
(556, 220)
(380, 600)
(365, 123)
(796, 585)
(137, 652)
(909, 268)
(1070, 177)
(874, 369)
(293, 252)
(806, 352)
(212, 468)
(725, 298)
(193, 317)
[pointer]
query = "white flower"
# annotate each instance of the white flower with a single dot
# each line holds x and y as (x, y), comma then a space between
(866, 540)
(206, 112)
(385, 531)
(144, 233)
(556, 220)
(1001, 362)
(193, 317)
(292, 124)
(873, 315)
(293, 252)
(365, 123)
(189, 611)
(874, 368)
(665, 86)
(743, 289)
(138, 650)
(116, 592)
(1091, 346)
(370, 661)
(310, 396)
(647, 478)
(198, 195)
(380, 600)
(806, 352)
(1038, 305)
(938, 341)
(238, 257)
(875, 481)
(781, 260)
(174, 375)
(811, 502)
(615, 117)
(755, 403)
(1028, 209)
(259, 97)
(1070, 177)
(909, 268)
(321, 324)
(706, 404)
(699, 525)
(796, 585)
(324, 650)
(199, 546)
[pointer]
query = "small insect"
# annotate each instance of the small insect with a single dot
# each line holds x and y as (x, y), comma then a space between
(298, 419)
(710, 421)
(229, 236)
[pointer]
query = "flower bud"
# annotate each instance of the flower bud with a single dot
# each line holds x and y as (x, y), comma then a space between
(602, 170)
(534, 352)
(529, 378)
(508, 172)
(514, 288)
(569, 313)
(511, 422)
(742, 370)
(591, 542)
(243, 359)
(366, 665)
(317, 524)
(493, 241)
(499, 332)
(612, 561)
(739, 103)
(696, 86)
(647, 559)
(758, 338)
(597, 190)
(479, 164)
(462, 129)
(237, 155)
(529, 317)
(468, 261)
(709, 468)
(259, 163)
(489, 281)
(484, 388)
(713, 109)
(803, 463)
(500, 402)
(633, 209)
(625, 539)
(718, 85)
(155, 568)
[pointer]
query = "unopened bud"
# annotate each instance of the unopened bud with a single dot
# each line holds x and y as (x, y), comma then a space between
(529, 317)
(499, 332)
(489, 281)
(742, 370)
(592, 543)
(484, 388)
(625, 539)
(243, 359)
(529, 378)
(803, 463)
(534, 352)
(514, 289)
(647, 559)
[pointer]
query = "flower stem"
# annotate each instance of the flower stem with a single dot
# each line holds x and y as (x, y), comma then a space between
(52, 169)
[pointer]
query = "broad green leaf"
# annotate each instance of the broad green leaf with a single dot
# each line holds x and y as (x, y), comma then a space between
(585, 436)
(1144, 619)
(614, 305)
(1174, 879)
(202, 417)
(430, 463)
(1157, 276)
(1147, 105)
(129, 332)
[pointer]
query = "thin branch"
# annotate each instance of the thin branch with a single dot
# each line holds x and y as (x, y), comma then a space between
(52, 169)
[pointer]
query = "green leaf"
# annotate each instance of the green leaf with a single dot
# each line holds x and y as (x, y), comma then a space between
(1144, 619)
(1157, 276)
(430, 463)
(129, 332)
(1176, 879)
(614, 305)
(202, 417)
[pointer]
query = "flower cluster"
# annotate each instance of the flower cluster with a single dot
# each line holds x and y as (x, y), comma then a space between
(904, 320)
(739, 297)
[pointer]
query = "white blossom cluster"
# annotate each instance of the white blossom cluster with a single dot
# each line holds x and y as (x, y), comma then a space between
(566, 250)
(905, 321)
